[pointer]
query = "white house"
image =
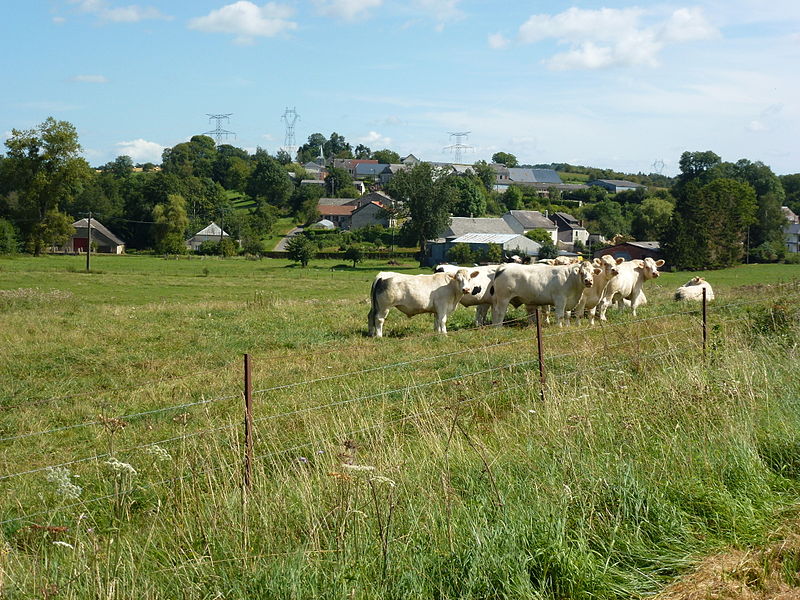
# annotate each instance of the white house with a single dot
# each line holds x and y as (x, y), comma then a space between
(212, 233)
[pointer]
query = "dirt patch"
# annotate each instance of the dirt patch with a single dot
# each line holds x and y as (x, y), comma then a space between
(770, 573)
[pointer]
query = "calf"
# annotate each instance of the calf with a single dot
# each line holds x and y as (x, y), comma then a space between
(479, 297)
(591, 296)
(627, 283)
(538, 285)
(693, 290)
(416, 294)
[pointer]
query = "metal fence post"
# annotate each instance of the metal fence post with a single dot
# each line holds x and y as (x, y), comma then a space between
(248, 425)
(705, 323)
(541, 353)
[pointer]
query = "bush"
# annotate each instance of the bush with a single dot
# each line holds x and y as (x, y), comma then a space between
(355, 254)
(9, 243)
(301, 249)
(461, 254)
(208, 248)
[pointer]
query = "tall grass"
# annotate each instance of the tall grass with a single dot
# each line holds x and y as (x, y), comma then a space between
(431, 470)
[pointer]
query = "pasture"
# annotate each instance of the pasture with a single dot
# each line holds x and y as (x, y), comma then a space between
(414, 466)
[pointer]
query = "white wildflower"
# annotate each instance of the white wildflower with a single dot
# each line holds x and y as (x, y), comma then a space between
(120, 468)
(60, 476)
(357, 468)
(381, 479)
(158, 453)
(64, 545)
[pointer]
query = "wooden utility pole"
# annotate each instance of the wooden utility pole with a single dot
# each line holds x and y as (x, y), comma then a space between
(541, 353)
(88, 241)
(248, 425)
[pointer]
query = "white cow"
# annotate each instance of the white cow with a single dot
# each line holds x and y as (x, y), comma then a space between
(479, 297)
(693, 290)
(538, 285)
(591, 296)
(416, 294)
(627, 283)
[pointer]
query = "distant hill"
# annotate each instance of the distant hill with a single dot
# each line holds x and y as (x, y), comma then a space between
(580, 174)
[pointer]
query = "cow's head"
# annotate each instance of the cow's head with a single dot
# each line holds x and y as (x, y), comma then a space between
(649, 267)
(608, 264)
(463, 277)
(586, 271)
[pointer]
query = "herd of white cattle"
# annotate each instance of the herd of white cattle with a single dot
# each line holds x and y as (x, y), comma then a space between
(571, 286)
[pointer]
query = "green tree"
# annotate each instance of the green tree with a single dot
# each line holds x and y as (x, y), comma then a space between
(122, 166)
(494, 254)
(311, 149)
(354, 253)
(8, 238)
(461, 254)
(338, 183)
(650, 218)
(301, 249)
(44, 171)
(193, 158)
(513, 198)
(791, 187)
(362, 152)
(283, 157)
(541, 236)
(269, 180)
(504, 158)
(387, 157)
(470, 199)
(337, 147)
(54, 230)
(427, 201)
(485, 173)
(606, 217)
(170, 225)
(548, 249)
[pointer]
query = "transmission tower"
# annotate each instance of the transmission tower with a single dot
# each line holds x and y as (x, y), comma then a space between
(219, 132)
(658, 166)
(290, 117)
(460, 136)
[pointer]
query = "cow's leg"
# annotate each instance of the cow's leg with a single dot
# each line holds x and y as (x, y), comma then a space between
(380, 317)
(560, 307)
(440, 322)
(480, 314)
(592, 312)
(635, 301)
(603, 306)
(499, 309)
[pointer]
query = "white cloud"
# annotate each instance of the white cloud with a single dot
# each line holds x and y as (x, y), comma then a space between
(347, 10)
(141, 150)
(246, 20)
(613, 37)
(498, 41)
(122, 14)
(376, 139)
(89, 79)
(442, 11)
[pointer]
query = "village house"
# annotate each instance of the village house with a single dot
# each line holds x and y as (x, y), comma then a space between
(212, 233)
(103, 240)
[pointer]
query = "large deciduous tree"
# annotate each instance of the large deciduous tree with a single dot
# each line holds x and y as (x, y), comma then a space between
(270, 180)
(427, 201)
(504, 158)
(44, 170)
(170, 225)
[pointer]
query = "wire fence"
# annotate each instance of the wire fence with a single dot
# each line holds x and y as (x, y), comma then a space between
(673, 340)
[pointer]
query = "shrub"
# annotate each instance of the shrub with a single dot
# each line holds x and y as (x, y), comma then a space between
(301, 249)
(461, 254)
(8, 238)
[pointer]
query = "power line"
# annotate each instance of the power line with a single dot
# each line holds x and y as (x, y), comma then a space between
(219, 132)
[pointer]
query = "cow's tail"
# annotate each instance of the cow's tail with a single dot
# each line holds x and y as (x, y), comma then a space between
(373, 308)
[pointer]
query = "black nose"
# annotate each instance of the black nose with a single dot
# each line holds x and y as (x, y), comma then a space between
(476, 290)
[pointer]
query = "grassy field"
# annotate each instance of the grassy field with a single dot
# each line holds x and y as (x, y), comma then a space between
(416, 466)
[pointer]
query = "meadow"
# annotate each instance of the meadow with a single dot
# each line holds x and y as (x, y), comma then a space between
(415, 466)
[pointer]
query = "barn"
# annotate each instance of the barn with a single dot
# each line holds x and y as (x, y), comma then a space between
(102, 239)
(632, 250)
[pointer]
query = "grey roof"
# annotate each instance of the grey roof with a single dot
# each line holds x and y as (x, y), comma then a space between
(569, 220)
(367, 169)
(334, 201)
(546, 176)
(98, 226)
(528, 175)
(213, 229)
(485, 238)
(793, 228)
(646, 245)
(521, 175)
(532, 219)
(463, 225)
(619, 183)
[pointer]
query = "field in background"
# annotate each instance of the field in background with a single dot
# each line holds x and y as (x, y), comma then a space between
(459, 482)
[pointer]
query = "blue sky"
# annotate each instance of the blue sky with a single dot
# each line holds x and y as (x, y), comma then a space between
(613, 84)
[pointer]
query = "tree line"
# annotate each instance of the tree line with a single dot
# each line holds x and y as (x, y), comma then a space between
(713, 213)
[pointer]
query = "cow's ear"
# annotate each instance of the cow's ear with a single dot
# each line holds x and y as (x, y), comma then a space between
(659, 263)
(597, 271)
(451, 275)
(620, 260)
(474, 274)
(596, 261)
(639, 263)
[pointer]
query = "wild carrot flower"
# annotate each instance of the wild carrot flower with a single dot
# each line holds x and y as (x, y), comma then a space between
(120, 468)
(64, 487)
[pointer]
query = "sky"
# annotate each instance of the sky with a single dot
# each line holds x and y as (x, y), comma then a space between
(612, 84)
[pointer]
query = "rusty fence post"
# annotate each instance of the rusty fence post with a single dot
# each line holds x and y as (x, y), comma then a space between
(705, 322)
(541, 353)
(248, 425)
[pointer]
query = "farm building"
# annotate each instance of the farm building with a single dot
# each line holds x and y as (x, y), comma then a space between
(212, 233)
(632, 250)
(615, 186)
(523, 221)
(792, 232)
(355, 213)
(511, 243)
(102, 238)
(570, 229)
